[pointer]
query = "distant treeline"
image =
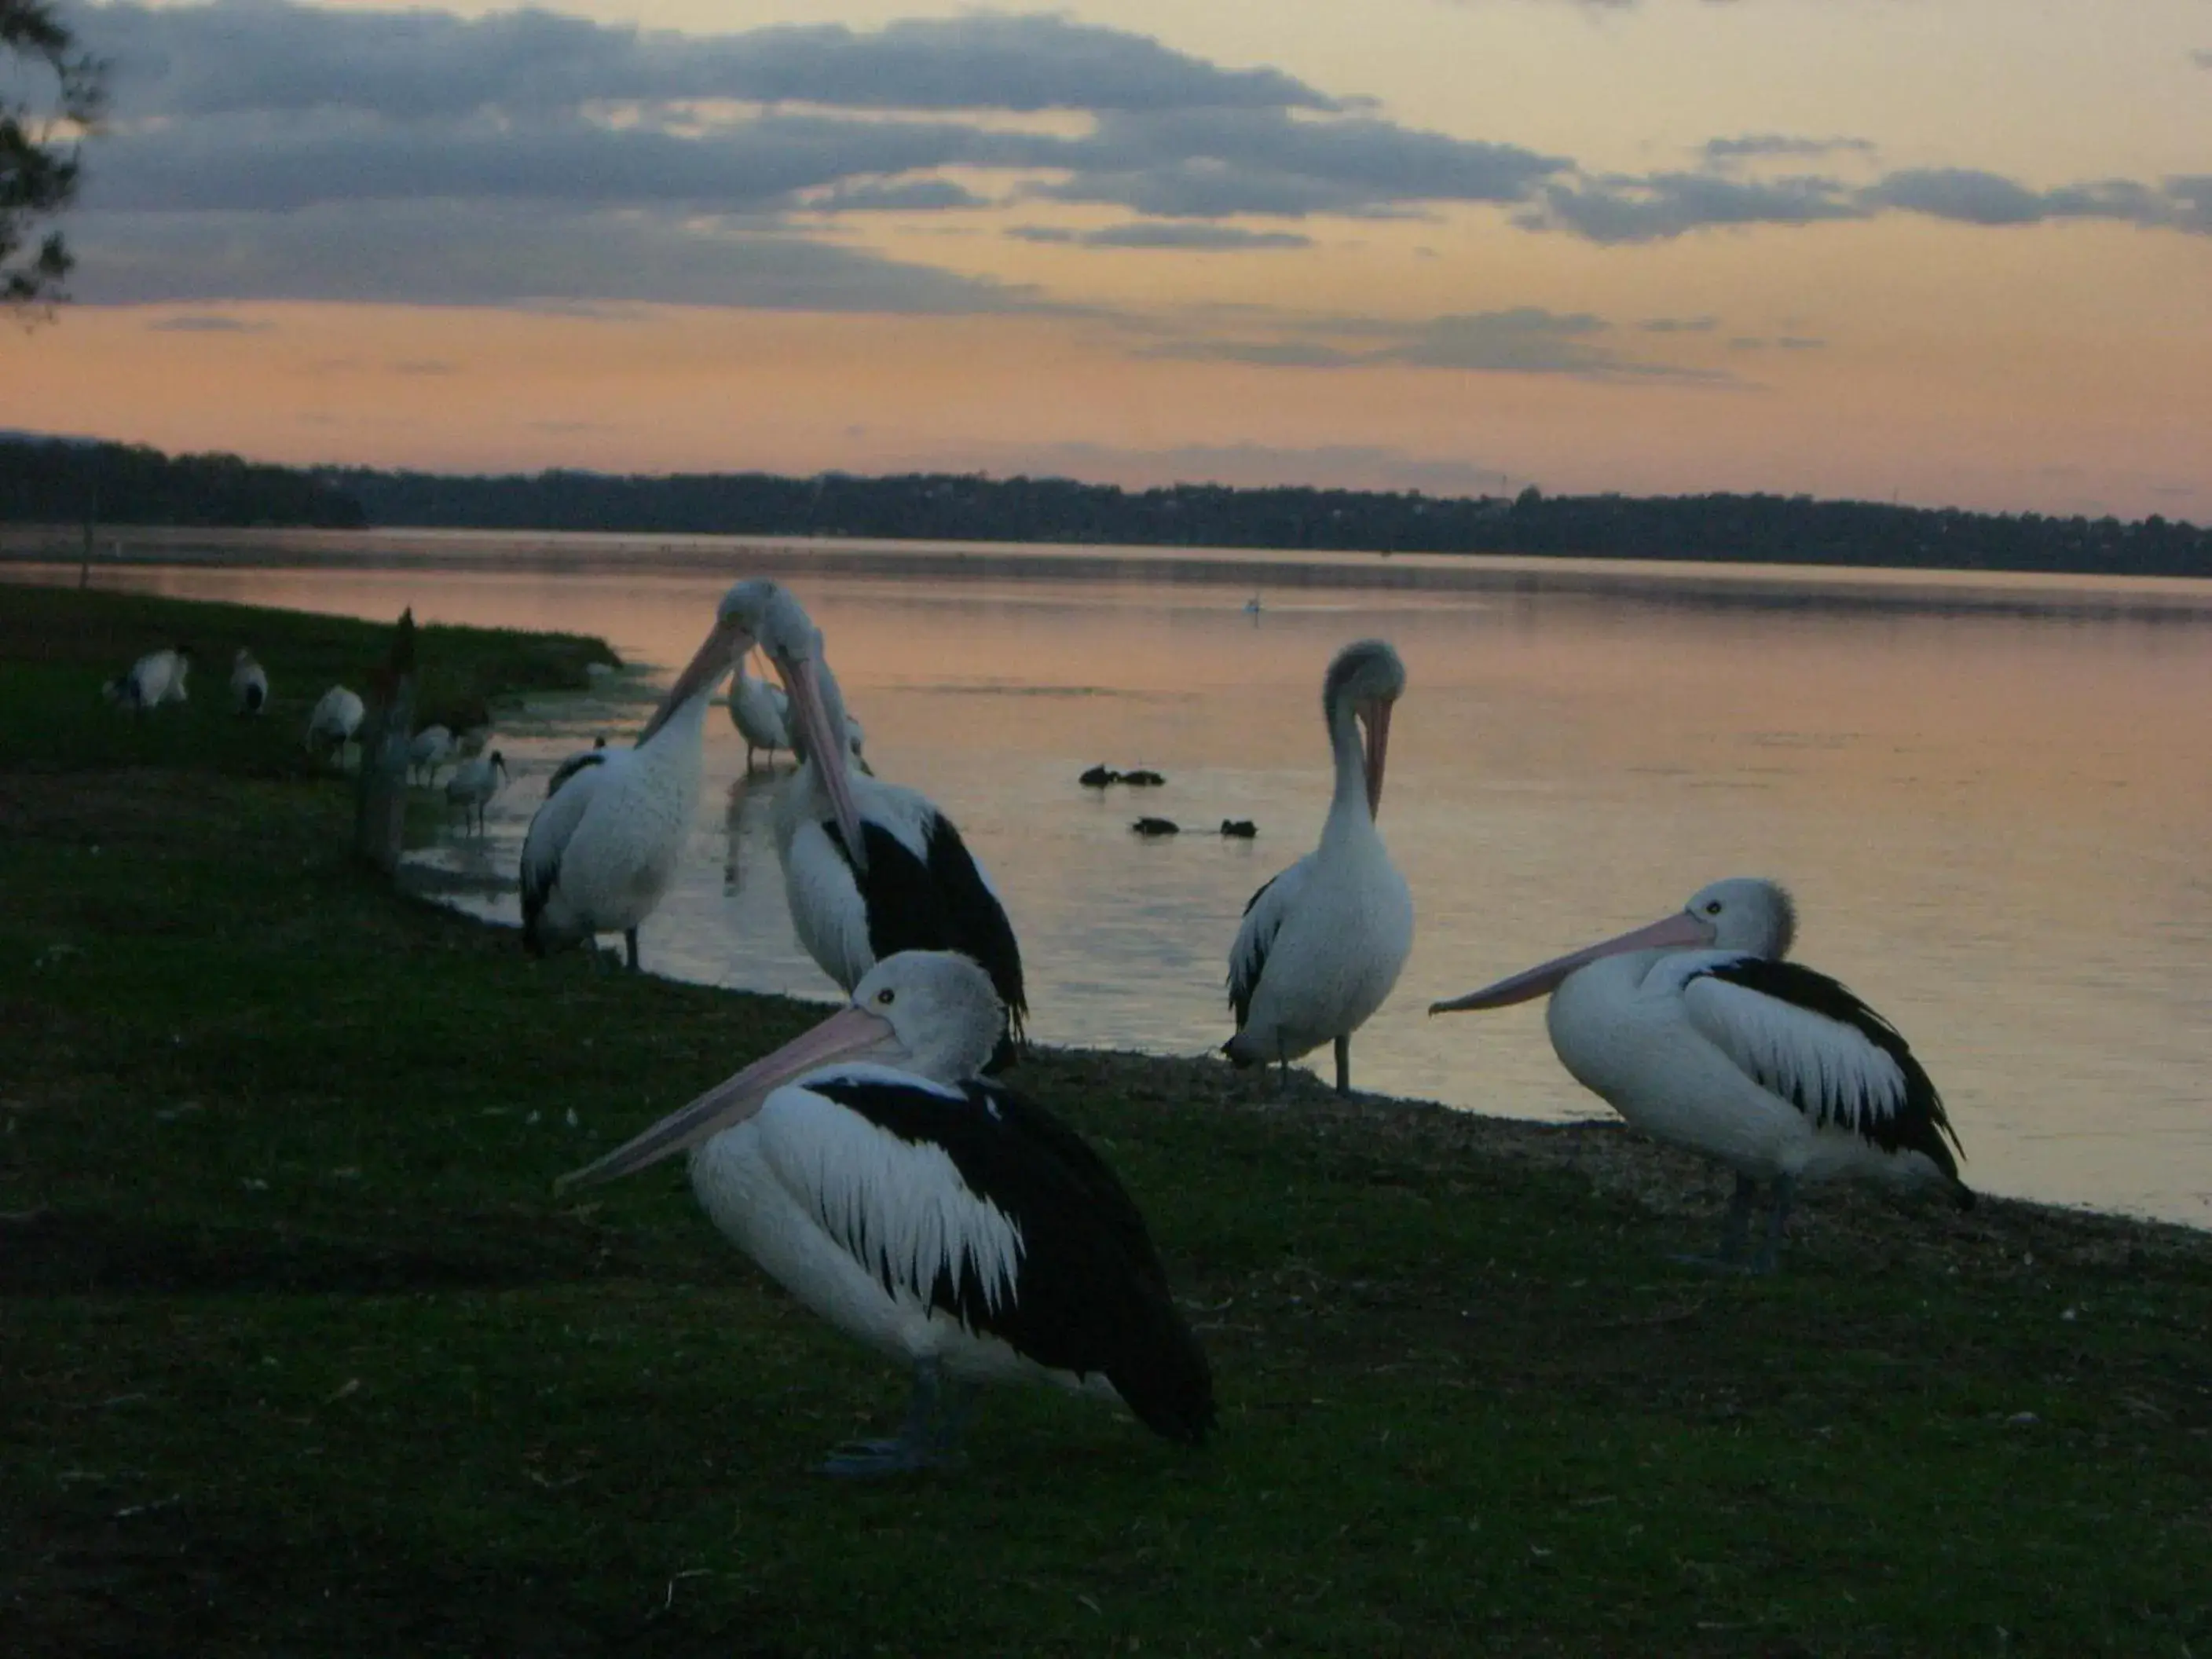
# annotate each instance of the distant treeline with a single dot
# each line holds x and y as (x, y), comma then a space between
(52, 482)
(47, 480)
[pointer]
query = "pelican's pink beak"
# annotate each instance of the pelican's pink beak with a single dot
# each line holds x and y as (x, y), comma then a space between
(849, 1034)
(1377, 714)
(724, 646)
(827, 752)
(1680, 931)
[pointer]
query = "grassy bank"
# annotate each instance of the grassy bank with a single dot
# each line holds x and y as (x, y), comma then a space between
(299, 1355)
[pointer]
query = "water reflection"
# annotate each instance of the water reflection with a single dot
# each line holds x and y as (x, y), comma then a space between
(1990, 796)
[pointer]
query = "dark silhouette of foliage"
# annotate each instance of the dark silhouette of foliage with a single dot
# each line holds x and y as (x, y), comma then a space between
(58, 481)
(39, 167)
(51, 481)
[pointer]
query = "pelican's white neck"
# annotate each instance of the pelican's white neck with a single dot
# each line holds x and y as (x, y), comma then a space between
(1347, 805)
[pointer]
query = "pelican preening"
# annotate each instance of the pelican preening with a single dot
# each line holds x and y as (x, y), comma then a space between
(604, 847)
(1698, 1032)
(249, 683)
(1321, 943)
(870, 868)
(336, 718)
(155, 678)
(937, 1217)
(473, 784)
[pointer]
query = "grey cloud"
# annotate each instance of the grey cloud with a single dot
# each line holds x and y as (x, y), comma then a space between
(1800, 342)
(1616, 209)
(207, 323)
(1212, 163)
(1190, 237)
(1524, 340)
(1704, 325)
(1619, 210)
(470, 254)
(266, 56)
(1968, 196)
(2202, 59)
(911, 196)
(1719, 152)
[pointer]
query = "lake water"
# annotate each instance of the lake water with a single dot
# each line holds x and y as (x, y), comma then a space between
(1990, 795)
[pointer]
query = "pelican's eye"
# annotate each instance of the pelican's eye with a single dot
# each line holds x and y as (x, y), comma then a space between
(885, 997)
(1712, 907)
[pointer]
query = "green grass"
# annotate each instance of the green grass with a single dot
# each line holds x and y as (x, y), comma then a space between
(299, 1355)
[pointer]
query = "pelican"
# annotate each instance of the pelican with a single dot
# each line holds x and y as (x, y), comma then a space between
(1321, 943)
(603, 848)
(1698, 1031)
(249, 683)
(336, 718)
(155, 678)
(473, 784)
(430, 749)
(761, 711)
(870, 868)
(937, 1217)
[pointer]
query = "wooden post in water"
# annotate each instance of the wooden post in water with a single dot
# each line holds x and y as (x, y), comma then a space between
(379, 820)
(91, 529)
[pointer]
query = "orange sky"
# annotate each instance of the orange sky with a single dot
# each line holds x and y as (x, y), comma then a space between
(1994, 291)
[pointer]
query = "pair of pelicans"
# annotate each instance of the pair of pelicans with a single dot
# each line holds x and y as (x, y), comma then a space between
(875, 1169)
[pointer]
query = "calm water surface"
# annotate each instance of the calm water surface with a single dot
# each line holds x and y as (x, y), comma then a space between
(1990, 795)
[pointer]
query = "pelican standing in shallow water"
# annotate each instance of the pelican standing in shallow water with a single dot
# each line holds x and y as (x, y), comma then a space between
(939, 1218)
(1321, 943)
(604, 847)
(870, 868)
(1698, 1032)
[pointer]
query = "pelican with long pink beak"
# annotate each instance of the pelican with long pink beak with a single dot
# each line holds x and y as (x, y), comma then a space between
(937, 1217)
(1697, 1031)
(870, 868)
(1322, 944)
(601, 852)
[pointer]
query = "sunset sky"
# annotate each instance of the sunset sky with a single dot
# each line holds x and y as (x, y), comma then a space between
(1946, 251)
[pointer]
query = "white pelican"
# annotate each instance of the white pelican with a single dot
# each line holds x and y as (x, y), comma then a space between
(155, 678)
(336, 718)
(1322, 944)
(870, 868)
(473, 784)
(1699, 1033)
(429, 749)
(249, 683)
(603, 848)
(939, 1218)
(761, 711)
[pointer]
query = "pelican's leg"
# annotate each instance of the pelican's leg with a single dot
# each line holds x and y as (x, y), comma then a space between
(1785, 1188)
(1282, 1069)
(921, 1444)
(629, 947)
(1344, 1064)
(1735, 1229)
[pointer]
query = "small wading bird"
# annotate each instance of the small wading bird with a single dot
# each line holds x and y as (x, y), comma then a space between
(473, 784)
(1321, 943)
(940, 1218)
(870, 868)
(155, 678)
(1699, 1033)
(604, 846)
(431, 747)
(249, 683)
(331, 726)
